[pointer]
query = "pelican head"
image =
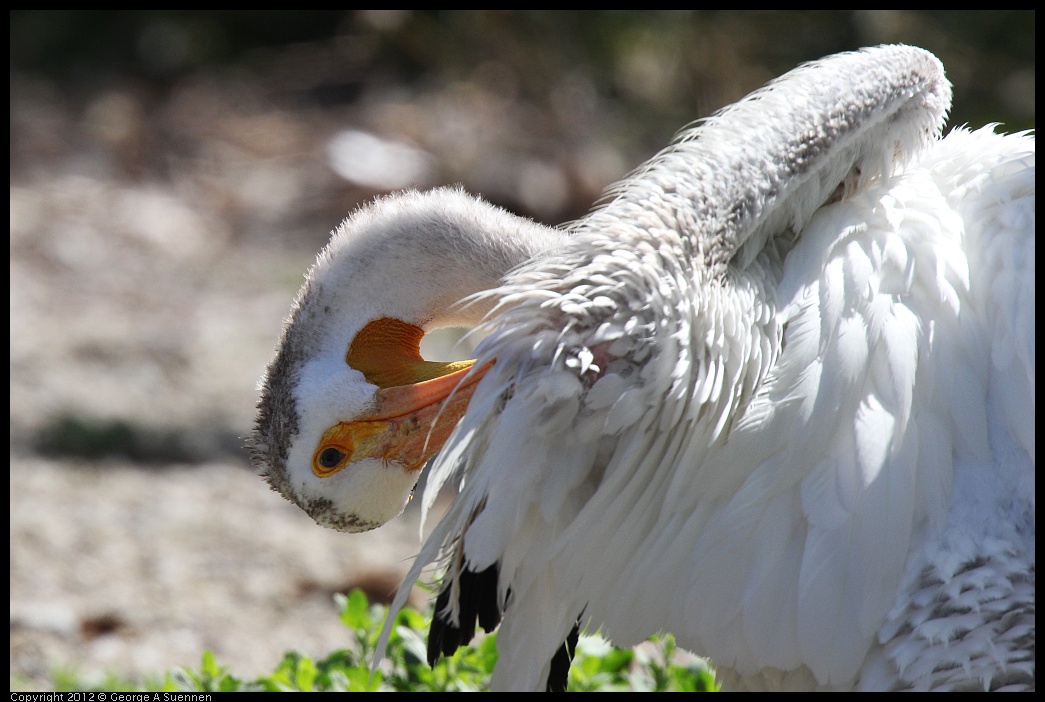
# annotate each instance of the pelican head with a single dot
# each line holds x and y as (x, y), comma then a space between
(349, 410)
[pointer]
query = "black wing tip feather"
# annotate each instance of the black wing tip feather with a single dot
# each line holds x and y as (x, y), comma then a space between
(478, 603)
(559, 673)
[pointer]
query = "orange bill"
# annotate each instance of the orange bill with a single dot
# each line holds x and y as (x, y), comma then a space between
(409, 425)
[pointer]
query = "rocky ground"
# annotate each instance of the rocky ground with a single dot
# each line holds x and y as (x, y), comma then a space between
(115, 568)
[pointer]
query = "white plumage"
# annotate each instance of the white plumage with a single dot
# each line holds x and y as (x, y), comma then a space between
(775, 396)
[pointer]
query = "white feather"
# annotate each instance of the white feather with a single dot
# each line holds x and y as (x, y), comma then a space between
(775, 396)
(787, 546)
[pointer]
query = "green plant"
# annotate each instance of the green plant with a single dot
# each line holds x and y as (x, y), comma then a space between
(657, 665)
(597, 666)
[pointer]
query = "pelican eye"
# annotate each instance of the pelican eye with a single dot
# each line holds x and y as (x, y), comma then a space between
(330, 457)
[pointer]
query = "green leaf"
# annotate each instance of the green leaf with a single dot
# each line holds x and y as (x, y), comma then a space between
(355, 612)
(305, 676)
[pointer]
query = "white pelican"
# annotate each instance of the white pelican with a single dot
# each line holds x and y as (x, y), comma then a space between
(775, 396)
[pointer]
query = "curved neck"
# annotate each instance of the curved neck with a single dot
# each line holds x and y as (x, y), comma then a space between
(413, 258)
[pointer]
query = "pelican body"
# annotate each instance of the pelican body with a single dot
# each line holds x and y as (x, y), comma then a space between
(775, 395)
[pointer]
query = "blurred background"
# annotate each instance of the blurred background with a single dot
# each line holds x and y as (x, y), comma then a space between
(172, 176)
